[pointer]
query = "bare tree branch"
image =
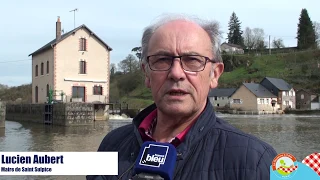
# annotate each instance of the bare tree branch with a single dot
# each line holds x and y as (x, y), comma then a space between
(278, 43)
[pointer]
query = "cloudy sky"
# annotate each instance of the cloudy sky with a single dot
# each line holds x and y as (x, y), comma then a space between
(28, 25)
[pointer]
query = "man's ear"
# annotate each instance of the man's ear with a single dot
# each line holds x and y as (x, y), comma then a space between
(217, 72)
(147, 78)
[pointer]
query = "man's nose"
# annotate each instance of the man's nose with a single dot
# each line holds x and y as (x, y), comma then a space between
(176, 71)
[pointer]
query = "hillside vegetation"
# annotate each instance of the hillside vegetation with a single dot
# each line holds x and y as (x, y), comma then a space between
(20, 93)
(300, 69)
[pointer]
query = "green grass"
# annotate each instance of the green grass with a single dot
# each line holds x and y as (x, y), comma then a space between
(141, 92)
(136, 103)
(298, 69)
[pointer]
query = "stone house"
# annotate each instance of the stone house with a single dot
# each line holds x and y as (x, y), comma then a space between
(253, 97)
(307, 100)
(220, 97)
(231, 48)
(286, 96)
(75, 65)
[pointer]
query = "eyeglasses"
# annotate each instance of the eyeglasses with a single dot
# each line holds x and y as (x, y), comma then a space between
(192, 63)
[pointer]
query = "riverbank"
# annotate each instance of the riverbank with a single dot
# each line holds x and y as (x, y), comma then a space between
(298, 111)
(292, 111)
(232, 111)
(2, 114)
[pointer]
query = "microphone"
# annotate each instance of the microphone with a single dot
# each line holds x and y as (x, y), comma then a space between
(156, 161)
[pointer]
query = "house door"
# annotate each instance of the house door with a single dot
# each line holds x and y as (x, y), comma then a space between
(78, 92)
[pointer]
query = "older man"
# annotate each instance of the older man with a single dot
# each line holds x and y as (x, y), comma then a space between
(181, 62)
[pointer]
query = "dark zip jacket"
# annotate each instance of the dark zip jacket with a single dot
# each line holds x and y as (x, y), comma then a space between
(211, 150)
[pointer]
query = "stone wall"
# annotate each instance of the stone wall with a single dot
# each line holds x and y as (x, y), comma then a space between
(25, 112)
(2, 114)
(64, 114)
(79, 113)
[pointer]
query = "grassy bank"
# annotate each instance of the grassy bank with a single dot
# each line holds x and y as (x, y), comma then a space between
(300, 69)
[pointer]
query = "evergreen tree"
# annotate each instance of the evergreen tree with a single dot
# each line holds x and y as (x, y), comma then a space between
(306, 33)
(235, 33)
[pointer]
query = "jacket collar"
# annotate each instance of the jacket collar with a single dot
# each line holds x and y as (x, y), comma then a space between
(203, 124)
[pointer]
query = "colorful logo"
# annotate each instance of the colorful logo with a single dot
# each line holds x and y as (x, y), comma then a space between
(313, 161)
(284, 165)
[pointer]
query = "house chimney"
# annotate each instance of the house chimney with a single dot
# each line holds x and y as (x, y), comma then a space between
(58, 29)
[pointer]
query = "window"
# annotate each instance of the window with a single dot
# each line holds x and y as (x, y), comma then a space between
(42, 68)
(236, 101)
(36, 94)
(36, 71)
(261, 101)
(287, 93)
(47, 67)
(83, 67)
(97, 90)
(302, 96)
(78, 92)
(83, 44)
(47, 90)
(215, 98)
(267, 101)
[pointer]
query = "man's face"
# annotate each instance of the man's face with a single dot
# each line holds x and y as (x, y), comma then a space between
(180, 38)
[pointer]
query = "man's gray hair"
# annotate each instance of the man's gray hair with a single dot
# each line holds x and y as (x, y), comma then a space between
(211, 27)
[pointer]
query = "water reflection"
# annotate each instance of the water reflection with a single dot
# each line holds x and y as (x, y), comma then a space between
(298, 135)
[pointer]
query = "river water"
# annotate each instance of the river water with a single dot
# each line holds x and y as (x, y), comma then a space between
(295, 134)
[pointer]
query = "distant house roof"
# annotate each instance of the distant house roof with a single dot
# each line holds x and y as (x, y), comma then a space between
(63, 36)
(222, 92)
(259, 90)
(316, 99)
(310, 92)
(232, 45)
(279, 83)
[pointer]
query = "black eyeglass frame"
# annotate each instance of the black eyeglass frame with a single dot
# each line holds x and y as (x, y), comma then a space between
(180, 59)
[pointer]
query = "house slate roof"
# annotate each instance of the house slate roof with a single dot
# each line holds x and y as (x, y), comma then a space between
(259, 90)
(232, 45)
(222, 92)
(281, 84)
(310, 92)
(63, 36)
(316, 100)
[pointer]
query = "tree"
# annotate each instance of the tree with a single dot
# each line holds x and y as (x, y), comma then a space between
(248, 38)
(112, 69)
(254, 38)
(137, 51)
(129, 64)
(258, 38)
(277, 43)
(316, 26)
(260, 45)
(306, 33)
(235, 33)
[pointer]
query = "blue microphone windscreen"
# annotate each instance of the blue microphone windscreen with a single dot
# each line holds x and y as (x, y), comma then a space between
(156, 158)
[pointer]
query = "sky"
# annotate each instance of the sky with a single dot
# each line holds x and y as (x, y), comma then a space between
(28, 25)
